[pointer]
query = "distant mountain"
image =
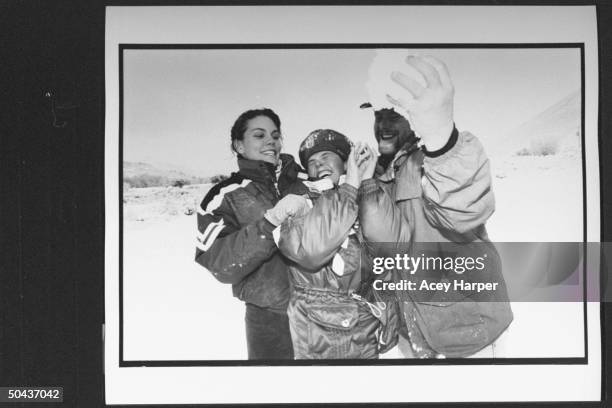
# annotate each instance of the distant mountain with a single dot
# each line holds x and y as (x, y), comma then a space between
(141, 174)
(549, 132)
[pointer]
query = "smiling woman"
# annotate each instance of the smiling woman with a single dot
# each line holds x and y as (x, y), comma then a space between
(326, 164)
(256, 136)
(235, 224)
(323, 153)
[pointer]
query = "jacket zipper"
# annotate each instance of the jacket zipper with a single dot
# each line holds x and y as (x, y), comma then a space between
(375, 309)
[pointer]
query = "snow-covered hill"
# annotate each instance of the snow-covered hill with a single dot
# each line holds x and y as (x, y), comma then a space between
(537, 177)
(555, 130)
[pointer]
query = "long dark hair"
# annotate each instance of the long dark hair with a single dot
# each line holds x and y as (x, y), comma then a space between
(240, 125)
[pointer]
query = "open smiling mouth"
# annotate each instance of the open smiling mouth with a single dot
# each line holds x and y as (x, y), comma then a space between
(387, 136)
(324, 173)
(271, 153)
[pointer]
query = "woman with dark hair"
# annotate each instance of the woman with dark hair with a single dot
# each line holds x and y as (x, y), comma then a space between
(235, 224)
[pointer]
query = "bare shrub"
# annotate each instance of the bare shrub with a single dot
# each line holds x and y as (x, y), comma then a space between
(548, 147)
(180, 183)
(145, 180)
(523, 152)
(218, 178)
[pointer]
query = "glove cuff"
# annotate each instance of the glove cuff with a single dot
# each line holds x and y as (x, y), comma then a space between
(272, 220)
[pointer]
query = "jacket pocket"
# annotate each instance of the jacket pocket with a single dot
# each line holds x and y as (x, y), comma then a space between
(454, 329)
(462, 324)
(330, 329)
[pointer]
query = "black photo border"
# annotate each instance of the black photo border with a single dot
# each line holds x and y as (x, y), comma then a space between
(349, 362)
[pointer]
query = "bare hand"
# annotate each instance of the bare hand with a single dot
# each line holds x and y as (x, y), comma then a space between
(361, 153)
(430, 105)
(367, 165)
(352, 170)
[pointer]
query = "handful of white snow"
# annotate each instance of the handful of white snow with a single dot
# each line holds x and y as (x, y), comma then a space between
(380, 84)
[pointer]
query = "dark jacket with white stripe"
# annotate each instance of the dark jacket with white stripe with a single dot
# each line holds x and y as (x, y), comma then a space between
(235, 241)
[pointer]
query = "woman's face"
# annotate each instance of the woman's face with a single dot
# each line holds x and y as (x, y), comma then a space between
(261, 141)
(326, 164)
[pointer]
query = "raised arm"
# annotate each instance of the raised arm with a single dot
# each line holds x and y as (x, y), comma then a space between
(312, 240)
(456, 184)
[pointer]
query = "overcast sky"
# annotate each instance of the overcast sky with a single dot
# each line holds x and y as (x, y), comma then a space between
(181, 104)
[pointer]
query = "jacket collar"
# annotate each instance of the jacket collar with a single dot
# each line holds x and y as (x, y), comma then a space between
(257, 170)
(385, 170)
(287, 173)
(410, 174)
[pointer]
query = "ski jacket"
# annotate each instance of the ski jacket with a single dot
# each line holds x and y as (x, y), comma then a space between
(329, 315)
(234, 240)
(440, 197)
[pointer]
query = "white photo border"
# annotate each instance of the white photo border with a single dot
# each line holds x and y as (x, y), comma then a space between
(122, 35)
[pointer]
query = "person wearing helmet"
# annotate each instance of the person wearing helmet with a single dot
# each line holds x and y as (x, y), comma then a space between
(330, 316)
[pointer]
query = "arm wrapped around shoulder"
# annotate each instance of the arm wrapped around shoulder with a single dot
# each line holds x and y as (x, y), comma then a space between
(289, 206)
(457, 189)
(312, 240)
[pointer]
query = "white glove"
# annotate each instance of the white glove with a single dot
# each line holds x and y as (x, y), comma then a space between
(426, 92)
(291, 205)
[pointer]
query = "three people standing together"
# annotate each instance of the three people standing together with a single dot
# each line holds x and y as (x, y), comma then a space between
(297, 248)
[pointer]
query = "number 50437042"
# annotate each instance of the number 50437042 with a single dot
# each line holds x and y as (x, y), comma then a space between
(31, 394)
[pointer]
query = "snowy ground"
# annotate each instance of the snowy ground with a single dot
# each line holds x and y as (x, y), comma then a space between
(538, 198)
(175, 310)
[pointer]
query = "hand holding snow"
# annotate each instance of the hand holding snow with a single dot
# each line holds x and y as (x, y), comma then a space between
(420, 87)
(379, 83)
